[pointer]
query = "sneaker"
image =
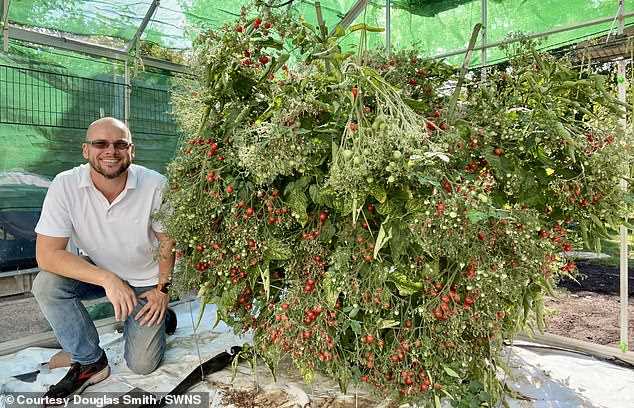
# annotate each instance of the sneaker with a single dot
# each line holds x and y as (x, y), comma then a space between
(76, 380)
(170, 322)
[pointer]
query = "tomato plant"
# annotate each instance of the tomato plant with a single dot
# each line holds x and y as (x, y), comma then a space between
(327, 202)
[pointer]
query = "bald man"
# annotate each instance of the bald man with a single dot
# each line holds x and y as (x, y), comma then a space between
(105, 206)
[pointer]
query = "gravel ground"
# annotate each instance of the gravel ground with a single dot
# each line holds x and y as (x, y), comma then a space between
(21, 316)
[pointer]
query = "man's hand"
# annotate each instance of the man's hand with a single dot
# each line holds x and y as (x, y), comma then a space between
(121, 295)
(154, 310)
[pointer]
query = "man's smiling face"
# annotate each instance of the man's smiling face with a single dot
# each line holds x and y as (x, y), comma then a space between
(108, 148)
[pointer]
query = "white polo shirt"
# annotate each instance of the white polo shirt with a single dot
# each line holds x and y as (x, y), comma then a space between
(117, 236)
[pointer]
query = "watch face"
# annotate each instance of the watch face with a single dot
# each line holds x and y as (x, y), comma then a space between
(164, 287)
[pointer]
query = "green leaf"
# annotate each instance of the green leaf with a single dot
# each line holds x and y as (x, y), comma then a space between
(355, 211)
(322, 196)
(623, 346)
(416, 105)
(399, 241)
(476, 216)
(328, 231)
(450, 372)
(404, 285)
(386, 208)
(444, 391)
(584, 235)
(353, 312)
(268, 42)
(437, 401)
(339, 31)
(386, 324)
(277, 250)
(266, 279)
(597, 222)
(331, 291)
(313, 192)
(298, 202)
(415, 205)
(377, 191)
(366, 27)
(382, 238)
(355, 326)
(484, 396)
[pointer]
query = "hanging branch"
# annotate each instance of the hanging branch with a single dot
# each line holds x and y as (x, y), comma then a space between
(463, 71)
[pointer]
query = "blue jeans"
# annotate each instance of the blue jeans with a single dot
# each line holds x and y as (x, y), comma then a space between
(60, 300)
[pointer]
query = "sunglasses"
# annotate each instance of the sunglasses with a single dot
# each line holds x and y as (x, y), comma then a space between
(104, 144)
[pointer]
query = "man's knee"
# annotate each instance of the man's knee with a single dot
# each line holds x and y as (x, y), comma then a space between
(142, 366)
(45, 286)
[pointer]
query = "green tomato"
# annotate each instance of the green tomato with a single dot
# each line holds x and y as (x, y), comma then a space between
(396, 154)
(357, 160)
(347, 154)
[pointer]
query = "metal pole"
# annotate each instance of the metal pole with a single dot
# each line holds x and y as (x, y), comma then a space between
(485, 17)
(588, 23)
(71, 44)
(320, 20)
(5, 25)
(623, 232)
(388, 27)
(353, 13)
(144, 23)
(126, 95)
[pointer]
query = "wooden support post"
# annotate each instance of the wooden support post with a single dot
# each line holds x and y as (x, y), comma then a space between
(463, 71)
(623, 232)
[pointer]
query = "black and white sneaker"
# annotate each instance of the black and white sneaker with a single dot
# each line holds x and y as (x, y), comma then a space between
(76, 380)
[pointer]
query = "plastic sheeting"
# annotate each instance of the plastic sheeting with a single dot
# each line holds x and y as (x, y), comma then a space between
(546, 377)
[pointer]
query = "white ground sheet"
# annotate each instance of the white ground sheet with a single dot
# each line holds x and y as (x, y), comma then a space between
(549, 378)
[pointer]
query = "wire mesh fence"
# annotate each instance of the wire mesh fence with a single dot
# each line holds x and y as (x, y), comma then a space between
(40, 98)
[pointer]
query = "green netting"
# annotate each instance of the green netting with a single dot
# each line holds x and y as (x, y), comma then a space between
(436, 27)
(47, 99)
(432, 26)
(43, 141)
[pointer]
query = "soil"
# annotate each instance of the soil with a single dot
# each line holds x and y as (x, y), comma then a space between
(597, 278)
(278, 398)
(588, 309)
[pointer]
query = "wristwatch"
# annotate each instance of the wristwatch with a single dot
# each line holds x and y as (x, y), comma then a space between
(164, 287)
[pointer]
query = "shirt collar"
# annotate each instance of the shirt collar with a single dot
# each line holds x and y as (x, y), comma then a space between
(86, 181)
